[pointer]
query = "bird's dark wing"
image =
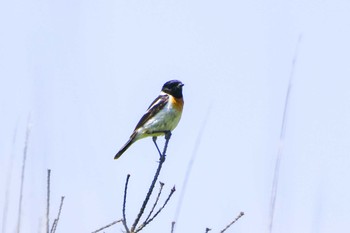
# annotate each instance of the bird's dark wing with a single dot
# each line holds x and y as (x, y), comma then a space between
(153, 109)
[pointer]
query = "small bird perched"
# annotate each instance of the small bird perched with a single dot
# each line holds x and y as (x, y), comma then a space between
(161, 117)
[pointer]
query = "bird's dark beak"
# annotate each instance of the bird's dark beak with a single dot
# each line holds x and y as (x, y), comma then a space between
(181, 85)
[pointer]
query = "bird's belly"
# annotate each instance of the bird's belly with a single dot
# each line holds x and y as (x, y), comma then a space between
(165, 120)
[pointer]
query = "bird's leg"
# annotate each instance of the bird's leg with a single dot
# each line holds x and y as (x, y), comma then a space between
(154, 138)
(167, 134)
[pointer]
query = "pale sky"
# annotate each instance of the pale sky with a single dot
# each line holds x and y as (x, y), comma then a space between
(85, 72)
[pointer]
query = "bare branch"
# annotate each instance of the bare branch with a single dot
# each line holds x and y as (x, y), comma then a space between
(172, 227)
(161, 161)
(54, 225)
(109, 225)
(231, 223)
(155, 203)
(165, 203)
(155, 215)
(124, 203)
(167, 138)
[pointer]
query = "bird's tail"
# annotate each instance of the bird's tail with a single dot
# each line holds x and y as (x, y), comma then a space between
(132, 139)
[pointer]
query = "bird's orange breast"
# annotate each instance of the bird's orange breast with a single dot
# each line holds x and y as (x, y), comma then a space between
(177, 103)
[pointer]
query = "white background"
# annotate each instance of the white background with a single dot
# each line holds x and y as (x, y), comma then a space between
(84, 72)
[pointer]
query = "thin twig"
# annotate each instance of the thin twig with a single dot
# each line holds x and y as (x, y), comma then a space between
(48, 201)
(161, 208)
(172, 227)
(25, 150)
(54, 225)
(167, 138)
(161, 161)
(235, 220)
(109, 225)
(282, 136)
(124, 204)
(155, 215)
(155, 203)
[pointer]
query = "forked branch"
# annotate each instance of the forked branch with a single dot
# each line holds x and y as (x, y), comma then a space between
(155, 178)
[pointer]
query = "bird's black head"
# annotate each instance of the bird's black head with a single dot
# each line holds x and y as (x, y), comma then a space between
(174, 88)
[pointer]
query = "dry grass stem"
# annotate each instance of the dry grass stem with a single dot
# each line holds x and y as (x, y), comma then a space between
(282, 136)
(48, 201)
(25, 151)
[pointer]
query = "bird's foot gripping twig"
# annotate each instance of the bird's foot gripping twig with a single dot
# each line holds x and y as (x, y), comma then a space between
(167, 135)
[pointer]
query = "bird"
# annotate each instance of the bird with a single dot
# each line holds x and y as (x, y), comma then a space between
(161, 117)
